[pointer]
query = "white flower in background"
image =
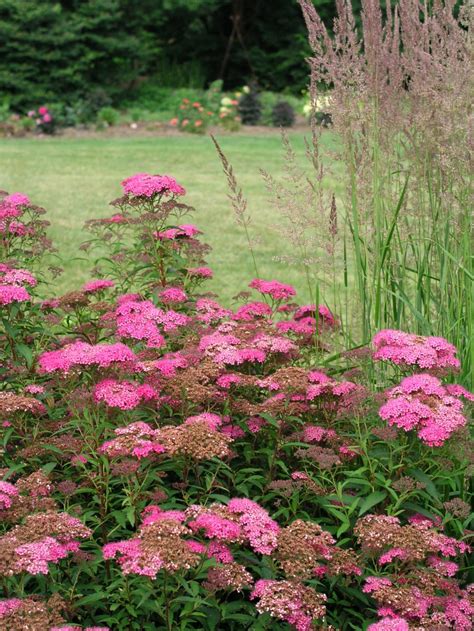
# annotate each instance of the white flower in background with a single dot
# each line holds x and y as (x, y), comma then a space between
(226, 101)
(322, 105)
(246, 89)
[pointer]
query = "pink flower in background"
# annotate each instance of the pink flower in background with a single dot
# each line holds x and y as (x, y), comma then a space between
(47, 118)
(253, 310)
(146, 185)
(200, 272)
(42, 110)
(17, 199)
(278, 291)
(97, 285)
(183, 231)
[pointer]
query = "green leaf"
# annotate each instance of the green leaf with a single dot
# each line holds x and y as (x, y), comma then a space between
(372, 500)
(25, 352)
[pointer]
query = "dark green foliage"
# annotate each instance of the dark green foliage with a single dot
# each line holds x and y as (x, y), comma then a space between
(283, 115)
(67, 50)
(250, 108)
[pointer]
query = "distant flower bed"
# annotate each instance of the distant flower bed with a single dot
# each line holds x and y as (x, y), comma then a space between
(169, 462)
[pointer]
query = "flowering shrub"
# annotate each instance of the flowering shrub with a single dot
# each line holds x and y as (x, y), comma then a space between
(228, 113)
(193, 117)
(173, 463)
(44, 120)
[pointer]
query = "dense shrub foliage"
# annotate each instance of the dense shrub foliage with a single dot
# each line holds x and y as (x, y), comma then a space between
(169, 463)
(69, 51)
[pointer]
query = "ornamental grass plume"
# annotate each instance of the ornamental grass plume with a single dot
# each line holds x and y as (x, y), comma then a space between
(399, 99)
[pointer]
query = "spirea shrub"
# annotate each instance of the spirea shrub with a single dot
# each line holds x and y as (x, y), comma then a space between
(172, 463)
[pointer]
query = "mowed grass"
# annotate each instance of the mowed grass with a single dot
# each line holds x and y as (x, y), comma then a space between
(75, 179)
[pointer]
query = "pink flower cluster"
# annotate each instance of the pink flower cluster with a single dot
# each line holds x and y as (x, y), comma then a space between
(210, 311)
(286, 600)
(277, 291)
(35, 557)
(390, 624)
(13, 293)
(173, 295)
(11, 285)
(200, 272)
(41, 539)
(252, 310)
(257, 526)
(320, 384)
(139, 320)
(423, 404)
(124, 395)
(242, 521)
(94, 286)
(146, 185)
(42, 116)
(305, 323)
(83, 354)
(137, 439)
(225, 348)
(9, 605)
(407, 349)
(184, 231)
(12, 205)
(7, 492)
(17, 277)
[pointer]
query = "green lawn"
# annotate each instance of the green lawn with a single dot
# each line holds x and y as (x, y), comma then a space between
(74, 179)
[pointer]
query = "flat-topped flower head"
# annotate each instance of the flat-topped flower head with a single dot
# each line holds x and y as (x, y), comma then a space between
(18, 277)
(83, 354)
(12, 205)
(290, 601)
(184, 231)
(124, 395)
(423, 404)
(146, 185)
(407, 349)
(273, 288)
(17, 199)
(93, 286)
(13, 293)
(173, 295)
(200, 272)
